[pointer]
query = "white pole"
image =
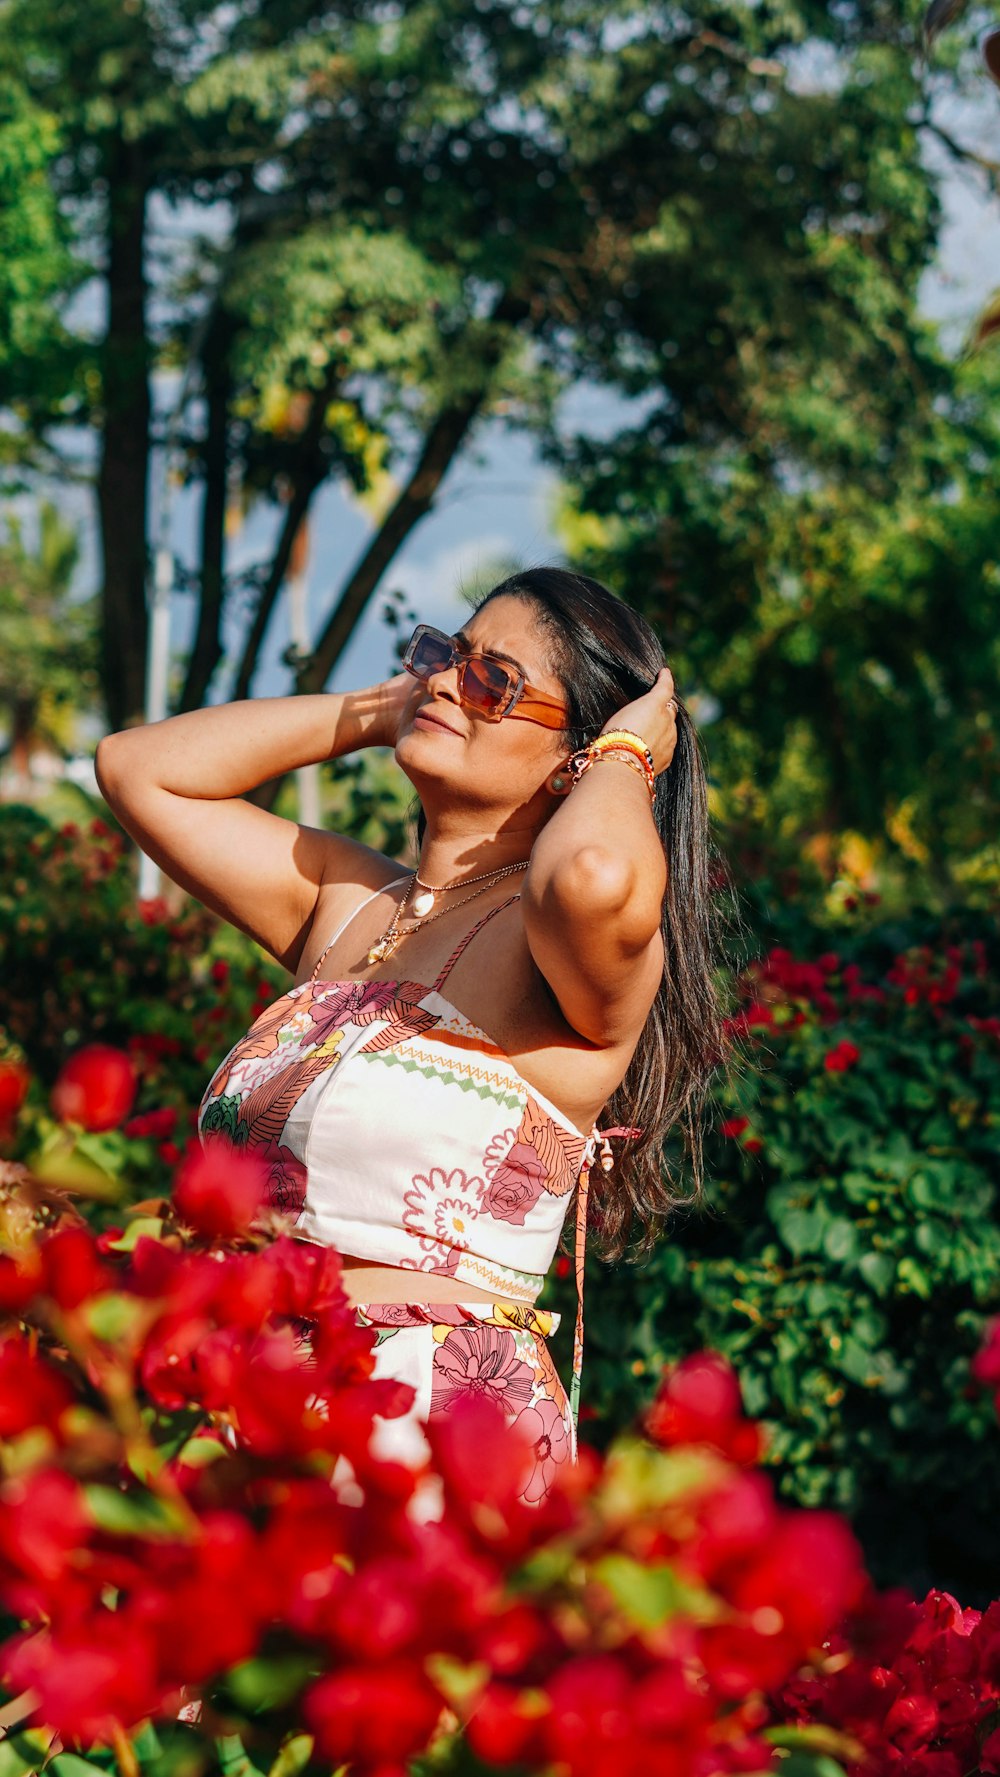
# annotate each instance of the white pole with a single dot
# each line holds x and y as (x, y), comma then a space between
(307, 776)
(157, 672)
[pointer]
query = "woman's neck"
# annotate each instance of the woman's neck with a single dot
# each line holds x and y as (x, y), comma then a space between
(448, 856)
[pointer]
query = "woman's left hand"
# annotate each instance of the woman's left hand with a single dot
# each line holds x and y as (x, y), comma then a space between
(653, 717)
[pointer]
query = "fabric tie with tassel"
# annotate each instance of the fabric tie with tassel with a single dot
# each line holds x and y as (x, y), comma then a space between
(599, 1140)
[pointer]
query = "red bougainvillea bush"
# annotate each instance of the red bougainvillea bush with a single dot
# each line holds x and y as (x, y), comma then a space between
(204, 1566)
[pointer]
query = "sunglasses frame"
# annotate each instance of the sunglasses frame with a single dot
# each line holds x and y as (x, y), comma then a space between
(522, 700)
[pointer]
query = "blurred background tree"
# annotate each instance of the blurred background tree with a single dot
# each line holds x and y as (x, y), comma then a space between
(399, 221)
(48, 662)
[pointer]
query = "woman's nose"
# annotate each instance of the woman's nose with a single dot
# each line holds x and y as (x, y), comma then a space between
(444, 683)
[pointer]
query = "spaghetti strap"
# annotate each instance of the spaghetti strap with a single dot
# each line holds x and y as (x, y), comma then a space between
(346, 922)
(467, 939)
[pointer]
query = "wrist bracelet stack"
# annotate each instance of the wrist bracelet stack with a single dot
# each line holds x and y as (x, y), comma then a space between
(617, 743)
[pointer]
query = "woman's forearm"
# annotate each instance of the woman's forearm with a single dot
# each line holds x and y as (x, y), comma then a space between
(231, 748)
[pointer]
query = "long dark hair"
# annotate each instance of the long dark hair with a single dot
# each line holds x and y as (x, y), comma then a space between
(605, 655)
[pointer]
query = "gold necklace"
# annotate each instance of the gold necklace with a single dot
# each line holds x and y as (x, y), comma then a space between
(392, 936)
(423, 902)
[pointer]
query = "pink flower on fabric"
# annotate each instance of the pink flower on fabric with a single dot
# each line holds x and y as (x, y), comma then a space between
(442, 1205)
(480, 1360)
(547, 1432)
(286, 1187)
(516, 1186)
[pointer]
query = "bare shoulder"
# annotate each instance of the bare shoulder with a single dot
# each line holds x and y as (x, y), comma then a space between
(350, 873)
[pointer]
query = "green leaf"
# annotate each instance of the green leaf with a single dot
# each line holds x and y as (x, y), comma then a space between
(802, 1229)
(133, 1513)
(114, 1315)
(649, 1594)
(269, 1683)
(234, 1760)
(18, 1756)
(293, 1756)
(913, 1277)
(69, 1764)
(139, 1227)
(878, 1271)
(840, 1241)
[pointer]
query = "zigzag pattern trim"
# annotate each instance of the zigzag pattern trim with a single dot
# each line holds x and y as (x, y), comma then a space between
(451, 1072)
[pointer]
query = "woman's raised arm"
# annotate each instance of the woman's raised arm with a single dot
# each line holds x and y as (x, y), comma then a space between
(177, 787)
(593, 891)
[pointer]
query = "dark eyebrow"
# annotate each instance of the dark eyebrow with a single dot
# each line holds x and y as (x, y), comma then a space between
(495, 653)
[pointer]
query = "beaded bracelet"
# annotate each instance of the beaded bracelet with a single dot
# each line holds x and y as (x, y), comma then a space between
(626, 737)
(620, 742)
(623, 757)
(588, 756)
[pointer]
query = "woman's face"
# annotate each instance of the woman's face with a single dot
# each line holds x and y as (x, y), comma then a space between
(453, 753)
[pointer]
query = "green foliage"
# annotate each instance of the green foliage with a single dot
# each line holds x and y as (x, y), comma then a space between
(462, 208)
(37, 270)
(48, 667)
(850, 1253)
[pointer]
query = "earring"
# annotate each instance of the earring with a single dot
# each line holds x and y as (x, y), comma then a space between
(558, 783)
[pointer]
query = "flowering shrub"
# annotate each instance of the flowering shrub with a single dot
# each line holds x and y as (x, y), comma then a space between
(204, 1566)
(83, 963)
(854, 1249)
(910, 1690)
(855, 1254)
(198, 1546)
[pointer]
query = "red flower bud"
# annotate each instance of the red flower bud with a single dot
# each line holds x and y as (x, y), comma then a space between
(96, 1088)
(373, 1713)
(219, 1189)
(14, 1081)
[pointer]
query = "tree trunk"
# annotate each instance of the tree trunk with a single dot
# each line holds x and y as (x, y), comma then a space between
(122, 481)
(206, 651)
(313, 468)
(440, 448)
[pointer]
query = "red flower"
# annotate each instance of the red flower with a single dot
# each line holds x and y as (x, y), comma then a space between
(219, 1189)
(369, 1713)
(840, 1058)
(503, 1728)
(699, 1402)
(734, 1126)
(73, 1270)
(32, 1393)
(155, 1124)
(88, 1679)
(96, 1088)
(43, 1520)
(14, 1082)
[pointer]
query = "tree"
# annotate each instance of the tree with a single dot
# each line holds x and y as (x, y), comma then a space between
(48, 665)
(456, 208)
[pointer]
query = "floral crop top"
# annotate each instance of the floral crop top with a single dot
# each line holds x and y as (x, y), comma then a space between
(399, 1131)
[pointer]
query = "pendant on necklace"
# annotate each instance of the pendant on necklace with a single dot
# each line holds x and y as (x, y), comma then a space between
(384, 948)
(423, 901)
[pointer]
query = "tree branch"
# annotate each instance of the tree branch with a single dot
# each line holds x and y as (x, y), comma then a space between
(440, 446)
(314, 467)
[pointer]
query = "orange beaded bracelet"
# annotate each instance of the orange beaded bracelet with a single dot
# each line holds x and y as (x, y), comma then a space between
(617, 743)
(620, 741)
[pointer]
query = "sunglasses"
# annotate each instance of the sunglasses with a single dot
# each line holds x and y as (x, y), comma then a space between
(491, 686)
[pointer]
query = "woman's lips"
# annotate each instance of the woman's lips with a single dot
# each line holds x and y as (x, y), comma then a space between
(425, 718)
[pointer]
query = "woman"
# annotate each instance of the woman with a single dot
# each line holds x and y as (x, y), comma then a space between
(437, 1139)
